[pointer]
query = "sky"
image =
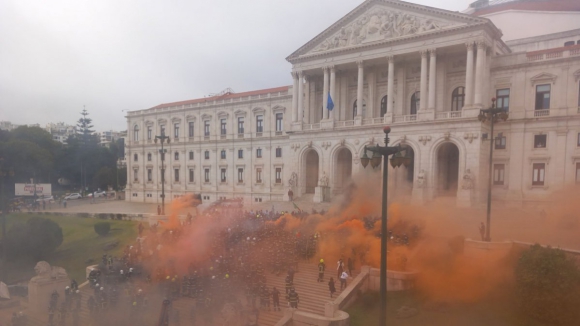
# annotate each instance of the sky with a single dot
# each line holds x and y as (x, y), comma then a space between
(110, 56)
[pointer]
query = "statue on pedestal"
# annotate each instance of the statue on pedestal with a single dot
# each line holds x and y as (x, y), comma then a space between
(293, 180)
(46, 272)
(421, 179)
(468, 180)
(323, 181)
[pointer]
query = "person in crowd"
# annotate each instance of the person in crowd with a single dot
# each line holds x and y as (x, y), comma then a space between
(331, 287)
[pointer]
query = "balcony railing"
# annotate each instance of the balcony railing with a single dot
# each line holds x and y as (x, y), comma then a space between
(542, 113)
(311, 126)
(405, 118)
(448, 115)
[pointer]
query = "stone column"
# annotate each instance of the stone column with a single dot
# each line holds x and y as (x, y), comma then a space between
(423, 89)
(469, 76)
(325, 94)
(300, 111)
(294, 96)
(307, 104)
(390, 84)
(332, 92)
(432, 79)
(359, 89)
(479, 73)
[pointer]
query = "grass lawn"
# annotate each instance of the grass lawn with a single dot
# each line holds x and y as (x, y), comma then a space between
(496, 312)
(80, 243)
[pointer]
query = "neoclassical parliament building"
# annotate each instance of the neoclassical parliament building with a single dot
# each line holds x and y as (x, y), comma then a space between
(426, 72)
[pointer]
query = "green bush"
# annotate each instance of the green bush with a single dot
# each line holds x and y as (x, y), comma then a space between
(103, 216)
(548, 285)
(102, 228)
(119, 216)
(85, 215)
(36, 238)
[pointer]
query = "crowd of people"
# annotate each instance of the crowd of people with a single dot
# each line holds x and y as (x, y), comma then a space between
(241, 249)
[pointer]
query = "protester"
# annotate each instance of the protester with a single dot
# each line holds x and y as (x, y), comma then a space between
(331, 287)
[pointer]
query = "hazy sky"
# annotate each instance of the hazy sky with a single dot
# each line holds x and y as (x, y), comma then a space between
(114, 55)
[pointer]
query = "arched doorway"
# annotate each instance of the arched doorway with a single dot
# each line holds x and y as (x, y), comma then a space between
(343, 170)
(311, 171)
(447, 169)
(403, 176)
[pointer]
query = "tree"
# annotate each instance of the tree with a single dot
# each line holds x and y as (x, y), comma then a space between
(104, 178)
(102, 228)
(85, 134)
(36, 239)
(548, 285)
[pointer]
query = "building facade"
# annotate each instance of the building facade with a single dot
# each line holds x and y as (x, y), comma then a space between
(425, 72)
(60, 131)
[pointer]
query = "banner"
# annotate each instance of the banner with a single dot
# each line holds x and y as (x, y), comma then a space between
(27, 189)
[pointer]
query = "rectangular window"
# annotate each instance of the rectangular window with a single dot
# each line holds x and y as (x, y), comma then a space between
(279, 124)
(578, 172)
(278, 152)
(162, 129)
(540, 141)
(240, 153)
(240, 175)
(579, 93)
(176, 130)
(503, 99)
(149, 157)
(223, 175)
(223, 154)
(500, 142)
(191, 129)
(206, 154)
(206, 175)
(135, 175)
(258, 175)
(223, 126)
(191, 155)
(149, 175)
(135, 157)
(539, 174)
(206, 128)
(543, 97)
(498, 174)
(578, 141)
(176, 174)
(149, 133)
(191, 175)
(240, 125)
(278, 175)
(259, 153)
(260, 123)
(176, 155)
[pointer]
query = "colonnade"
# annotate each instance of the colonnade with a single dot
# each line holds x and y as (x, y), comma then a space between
(475, 75)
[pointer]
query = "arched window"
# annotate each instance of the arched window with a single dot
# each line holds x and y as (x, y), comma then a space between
(383, 106)
(355, 108)
(136, 133)
(457, 98)
(415, 100)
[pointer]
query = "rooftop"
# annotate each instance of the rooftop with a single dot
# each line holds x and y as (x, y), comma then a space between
(484, 7)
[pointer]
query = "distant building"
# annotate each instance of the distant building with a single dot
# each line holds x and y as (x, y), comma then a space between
(106, 137)
(7, 125)
(60, 131)
(426, 72)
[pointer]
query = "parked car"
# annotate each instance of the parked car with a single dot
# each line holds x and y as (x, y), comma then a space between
(48, 199)
(98, 194)
(75, 195)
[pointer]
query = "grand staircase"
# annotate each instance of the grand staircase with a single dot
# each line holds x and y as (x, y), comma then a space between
(313, 295)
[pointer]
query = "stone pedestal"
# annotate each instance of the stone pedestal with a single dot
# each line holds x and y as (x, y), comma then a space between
(321, 194)
(464, 197)
(418, 196)
(40, 289)
(358, 120)
(388, 118)
(326, 124)
(426, 115)
(296, 126)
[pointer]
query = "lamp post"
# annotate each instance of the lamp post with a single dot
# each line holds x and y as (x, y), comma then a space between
(492, 115)
(378, 153)
(162, 139)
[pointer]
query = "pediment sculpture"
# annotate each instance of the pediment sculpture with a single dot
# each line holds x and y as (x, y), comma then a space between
(380, 24)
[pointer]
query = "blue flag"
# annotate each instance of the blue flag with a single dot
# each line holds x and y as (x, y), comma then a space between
(329, 104)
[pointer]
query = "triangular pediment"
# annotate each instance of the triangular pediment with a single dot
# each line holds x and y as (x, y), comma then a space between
(377, 21)
(543, 77)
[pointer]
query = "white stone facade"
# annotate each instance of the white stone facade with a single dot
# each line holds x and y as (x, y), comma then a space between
(425, 72)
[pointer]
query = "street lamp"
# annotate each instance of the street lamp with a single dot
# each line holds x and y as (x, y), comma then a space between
(492, 115)
(162, 139)
(397, 160)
